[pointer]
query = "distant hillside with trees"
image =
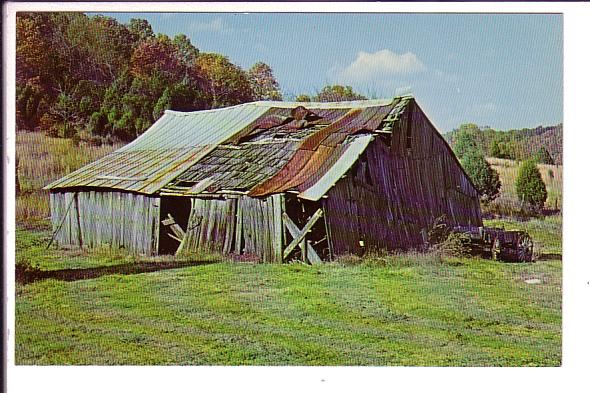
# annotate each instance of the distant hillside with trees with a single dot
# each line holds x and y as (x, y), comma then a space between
(543, 144)
(93, 78)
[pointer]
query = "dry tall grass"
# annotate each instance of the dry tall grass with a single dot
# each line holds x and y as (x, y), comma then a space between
(508, 171)
(43, 159)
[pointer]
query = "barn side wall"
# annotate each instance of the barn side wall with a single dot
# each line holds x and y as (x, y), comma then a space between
(120, 219)
(236, 225)
(397, 188)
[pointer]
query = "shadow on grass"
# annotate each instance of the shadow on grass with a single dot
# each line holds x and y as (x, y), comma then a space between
(548, 257)
(32, 275)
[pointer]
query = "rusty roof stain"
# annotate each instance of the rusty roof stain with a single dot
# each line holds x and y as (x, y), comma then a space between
(257, 148)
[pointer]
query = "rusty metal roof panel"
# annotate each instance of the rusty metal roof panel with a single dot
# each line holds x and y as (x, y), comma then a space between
(345, 161)
(322, 147)
(287, 152)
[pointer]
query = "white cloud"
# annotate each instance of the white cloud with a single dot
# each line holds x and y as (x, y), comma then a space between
(215, 25)
(383, 63)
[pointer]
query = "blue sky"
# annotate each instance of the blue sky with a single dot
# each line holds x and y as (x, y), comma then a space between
(500, 70)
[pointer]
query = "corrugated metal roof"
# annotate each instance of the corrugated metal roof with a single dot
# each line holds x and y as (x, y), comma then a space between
(148, 169)
(330, 105)
(169, 147)
(191, 129)
(184, 148)
(323, 147)
(335, 172)
(241, 167)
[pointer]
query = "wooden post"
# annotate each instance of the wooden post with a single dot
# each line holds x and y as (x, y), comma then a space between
(277, 204)
(17, 182)
(238, 231)
(328, 234)
(77, 207)
(156, 226)
(303, 247)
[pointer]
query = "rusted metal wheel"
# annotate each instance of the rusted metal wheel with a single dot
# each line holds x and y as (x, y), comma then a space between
(496, 249)
(524, 248)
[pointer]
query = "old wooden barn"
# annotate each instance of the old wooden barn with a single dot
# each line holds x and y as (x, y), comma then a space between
(272, 180)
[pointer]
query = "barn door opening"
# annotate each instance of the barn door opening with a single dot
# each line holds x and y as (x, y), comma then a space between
(304, 221)
(174, 214)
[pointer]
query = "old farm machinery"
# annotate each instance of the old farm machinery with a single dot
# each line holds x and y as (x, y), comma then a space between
(499, 244)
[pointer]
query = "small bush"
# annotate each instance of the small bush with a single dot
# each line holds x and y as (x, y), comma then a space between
(455, 245)
(444, 242)
(76, 139)
(530, 187)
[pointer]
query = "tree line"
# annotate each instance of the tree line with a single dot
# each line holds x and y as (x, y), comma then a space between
(530, 188)
(93, 78)
(544, 144)
(81, 75)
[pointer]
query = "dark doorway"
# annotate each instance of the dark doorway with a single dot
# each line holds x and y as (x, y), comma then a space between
(300, 211)
(179, 208)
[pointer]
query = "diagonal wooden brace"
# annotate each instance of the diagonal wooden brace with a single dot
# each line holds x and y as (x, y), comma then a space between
(299, 235)
(306, 247)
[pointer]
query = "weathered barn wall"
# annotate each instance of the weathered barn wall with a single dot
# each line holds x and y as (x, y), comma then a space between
(236, 224)
(120, 219)
(397, 188)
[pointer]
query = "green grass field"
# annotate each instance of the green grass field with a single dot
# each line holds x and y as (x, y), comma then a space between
(390, 310)
(104, 307)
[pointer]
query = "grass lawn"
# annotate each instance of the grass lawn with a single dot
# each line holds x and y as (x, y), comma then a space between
(396, 310)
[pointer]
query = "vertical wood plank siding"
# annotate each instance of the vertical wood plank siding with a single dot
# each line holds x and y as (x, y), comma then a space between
(239, 225)
(408, 189)
(119, 219)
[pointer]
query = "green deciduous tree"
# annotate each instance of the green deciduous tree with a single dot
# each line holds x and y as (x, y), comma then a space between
(485, 178)
(226, 83)
(30, 104)
(140, 30)
(495, 150)
(303, 98)
(334, 93)
(464, 142)
(185, 50)
(179, 97)
(102, 44)
(263, 83)
(530, 187)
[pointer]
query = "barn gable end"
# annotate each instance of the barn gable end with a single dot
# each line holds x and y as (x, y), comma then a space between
(401, 183)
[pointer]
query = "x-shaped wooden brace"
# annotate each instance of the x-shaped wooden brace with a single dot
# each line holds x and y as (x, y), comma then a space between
(299, 237)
